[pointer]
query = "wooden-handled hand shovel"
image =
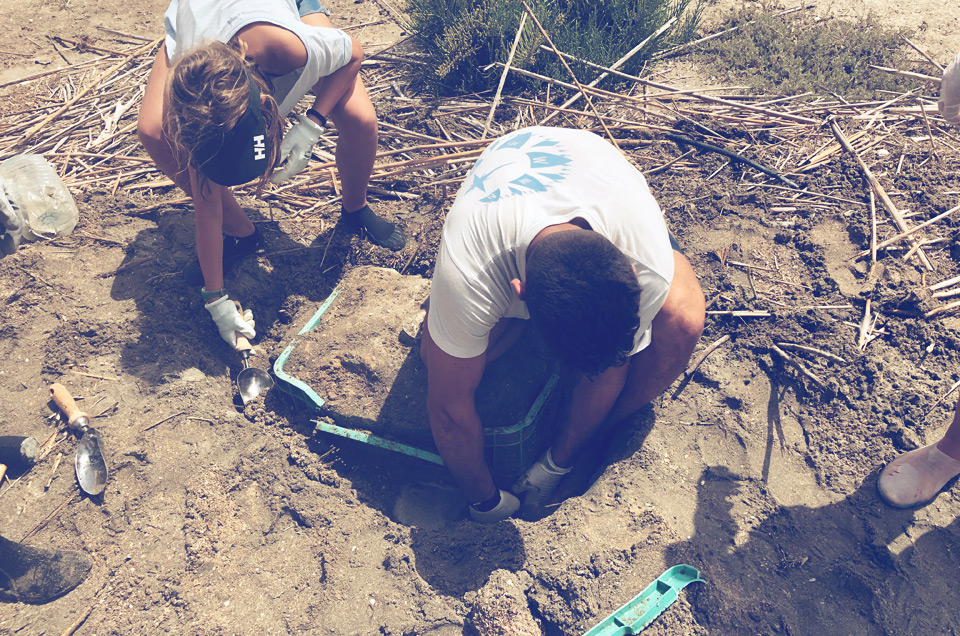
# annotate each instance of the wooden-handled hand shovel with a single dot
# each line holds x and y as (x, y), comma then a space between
(90, 466)
(251, 381)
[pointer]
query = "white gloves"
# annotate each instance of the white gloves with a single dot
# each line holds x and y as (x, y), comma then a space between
(11, 224)
(949, 103)
(230, 321)
(296, 147)
(508, 505)
(538, 483)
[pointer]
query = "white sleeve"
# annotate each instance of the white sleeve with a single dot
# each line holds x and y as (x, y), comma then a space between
(653, 295)
(459, 318)
(327, 51)
(949, 103)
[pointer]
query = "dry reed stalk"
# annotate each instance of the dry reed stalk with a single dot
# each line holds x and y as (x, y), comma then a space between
(695, 94)
(503, 76)
(814, 351)
(54, 71)
(706, 352)
(923, 53)
(926, 122)
(692, 368)
(944, 396)
(618, 122)
(941, 310)
(613, 67)
(667, 165)
(945, 283)
(397, 16)
(103, 76)
(683, 47)
(899, 237)
(147, 428)
(546, 36)
(50, 516)
(950, 293)
(53, 471)
(910, 74)
(796, 364)
(878, 189)
(740, 313)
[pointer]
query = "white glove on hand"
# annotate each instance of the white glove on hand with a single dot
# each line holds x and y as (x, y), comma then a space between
(11, 224)
(296, 147)
(538, 483)
(949, 103)
(230, 321)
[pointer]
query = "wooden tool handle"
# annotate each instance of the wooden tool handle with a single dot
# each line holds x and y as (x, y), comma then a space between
(243, 344)
(64, 401)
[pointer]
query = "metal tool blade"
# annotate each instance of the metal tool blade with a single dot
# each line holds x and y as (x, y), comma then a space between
(90, 464)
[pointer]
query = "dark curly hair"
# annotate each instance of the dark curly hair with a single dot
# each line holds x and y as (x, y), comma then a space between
(584, 298)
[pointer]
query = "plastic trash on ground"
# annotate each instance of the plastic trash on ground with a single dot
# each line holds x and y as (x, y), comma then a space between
(30, 184)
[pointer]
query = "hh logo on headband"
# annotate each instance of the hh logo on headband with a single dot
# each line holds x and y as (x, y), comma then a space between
(259, 148)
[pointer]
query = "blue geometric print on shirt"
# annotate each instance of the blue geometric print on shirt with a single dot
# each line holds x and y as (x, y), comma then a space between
(537, 173)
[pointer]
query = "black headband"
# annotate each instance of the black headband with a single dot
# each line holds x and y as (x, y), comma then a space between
(241, 154)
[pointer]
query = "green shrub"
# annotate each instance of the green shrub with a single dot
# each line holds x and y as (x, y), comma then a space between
(463, 37)
(797, 53)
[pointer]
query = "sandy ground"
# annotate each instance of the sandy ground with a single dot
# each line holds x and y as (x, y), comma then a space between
(227, 520)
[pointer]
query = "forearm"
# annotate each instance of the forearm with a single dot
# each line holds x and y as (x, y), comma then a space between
(458, 435)
(208, 222)
(590, 404)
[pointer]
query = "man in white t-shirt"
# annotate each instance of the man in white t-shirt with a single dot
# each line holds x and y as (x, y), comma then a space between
(554, 226)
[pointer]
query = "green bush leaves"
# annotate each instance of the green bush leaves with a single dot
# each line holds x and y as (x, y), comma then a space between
(464, 37)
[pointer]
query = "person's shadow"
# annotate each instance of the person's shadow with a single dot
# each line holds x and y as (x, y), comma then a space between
(175, 332)
(836, 569)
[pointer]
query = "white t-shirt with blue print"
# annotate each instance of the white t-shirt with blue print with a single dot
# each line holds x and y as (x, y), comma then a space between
(524, 182)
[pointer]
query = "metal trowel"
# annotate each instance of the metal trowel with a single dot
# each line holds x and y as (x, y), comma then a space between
(251, 381)
(90, 466)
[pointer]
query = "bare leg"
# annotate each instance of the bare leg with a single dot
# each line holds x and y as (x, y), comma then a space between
(150, 131)
(356, 122)
(950, 444)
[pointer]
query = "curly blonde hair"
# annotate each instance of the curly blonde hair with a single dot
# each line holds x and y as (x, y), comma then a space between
(207, 93)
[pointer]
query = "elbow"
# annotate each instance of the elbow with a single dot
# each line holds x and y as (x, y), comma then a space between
(441, 416)
(150, 134)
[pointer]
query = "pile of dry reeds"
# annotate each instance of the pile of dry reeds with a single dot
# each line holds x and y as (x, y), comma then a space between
(86, 126)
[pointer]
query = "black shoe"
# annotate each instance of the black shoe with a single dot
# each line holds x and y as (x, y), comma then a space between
(235, 249)
(380, 232)
(35, 575)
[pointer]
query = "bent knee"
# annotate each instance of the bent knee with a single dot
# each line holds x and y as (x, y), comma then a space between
(360, 124)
